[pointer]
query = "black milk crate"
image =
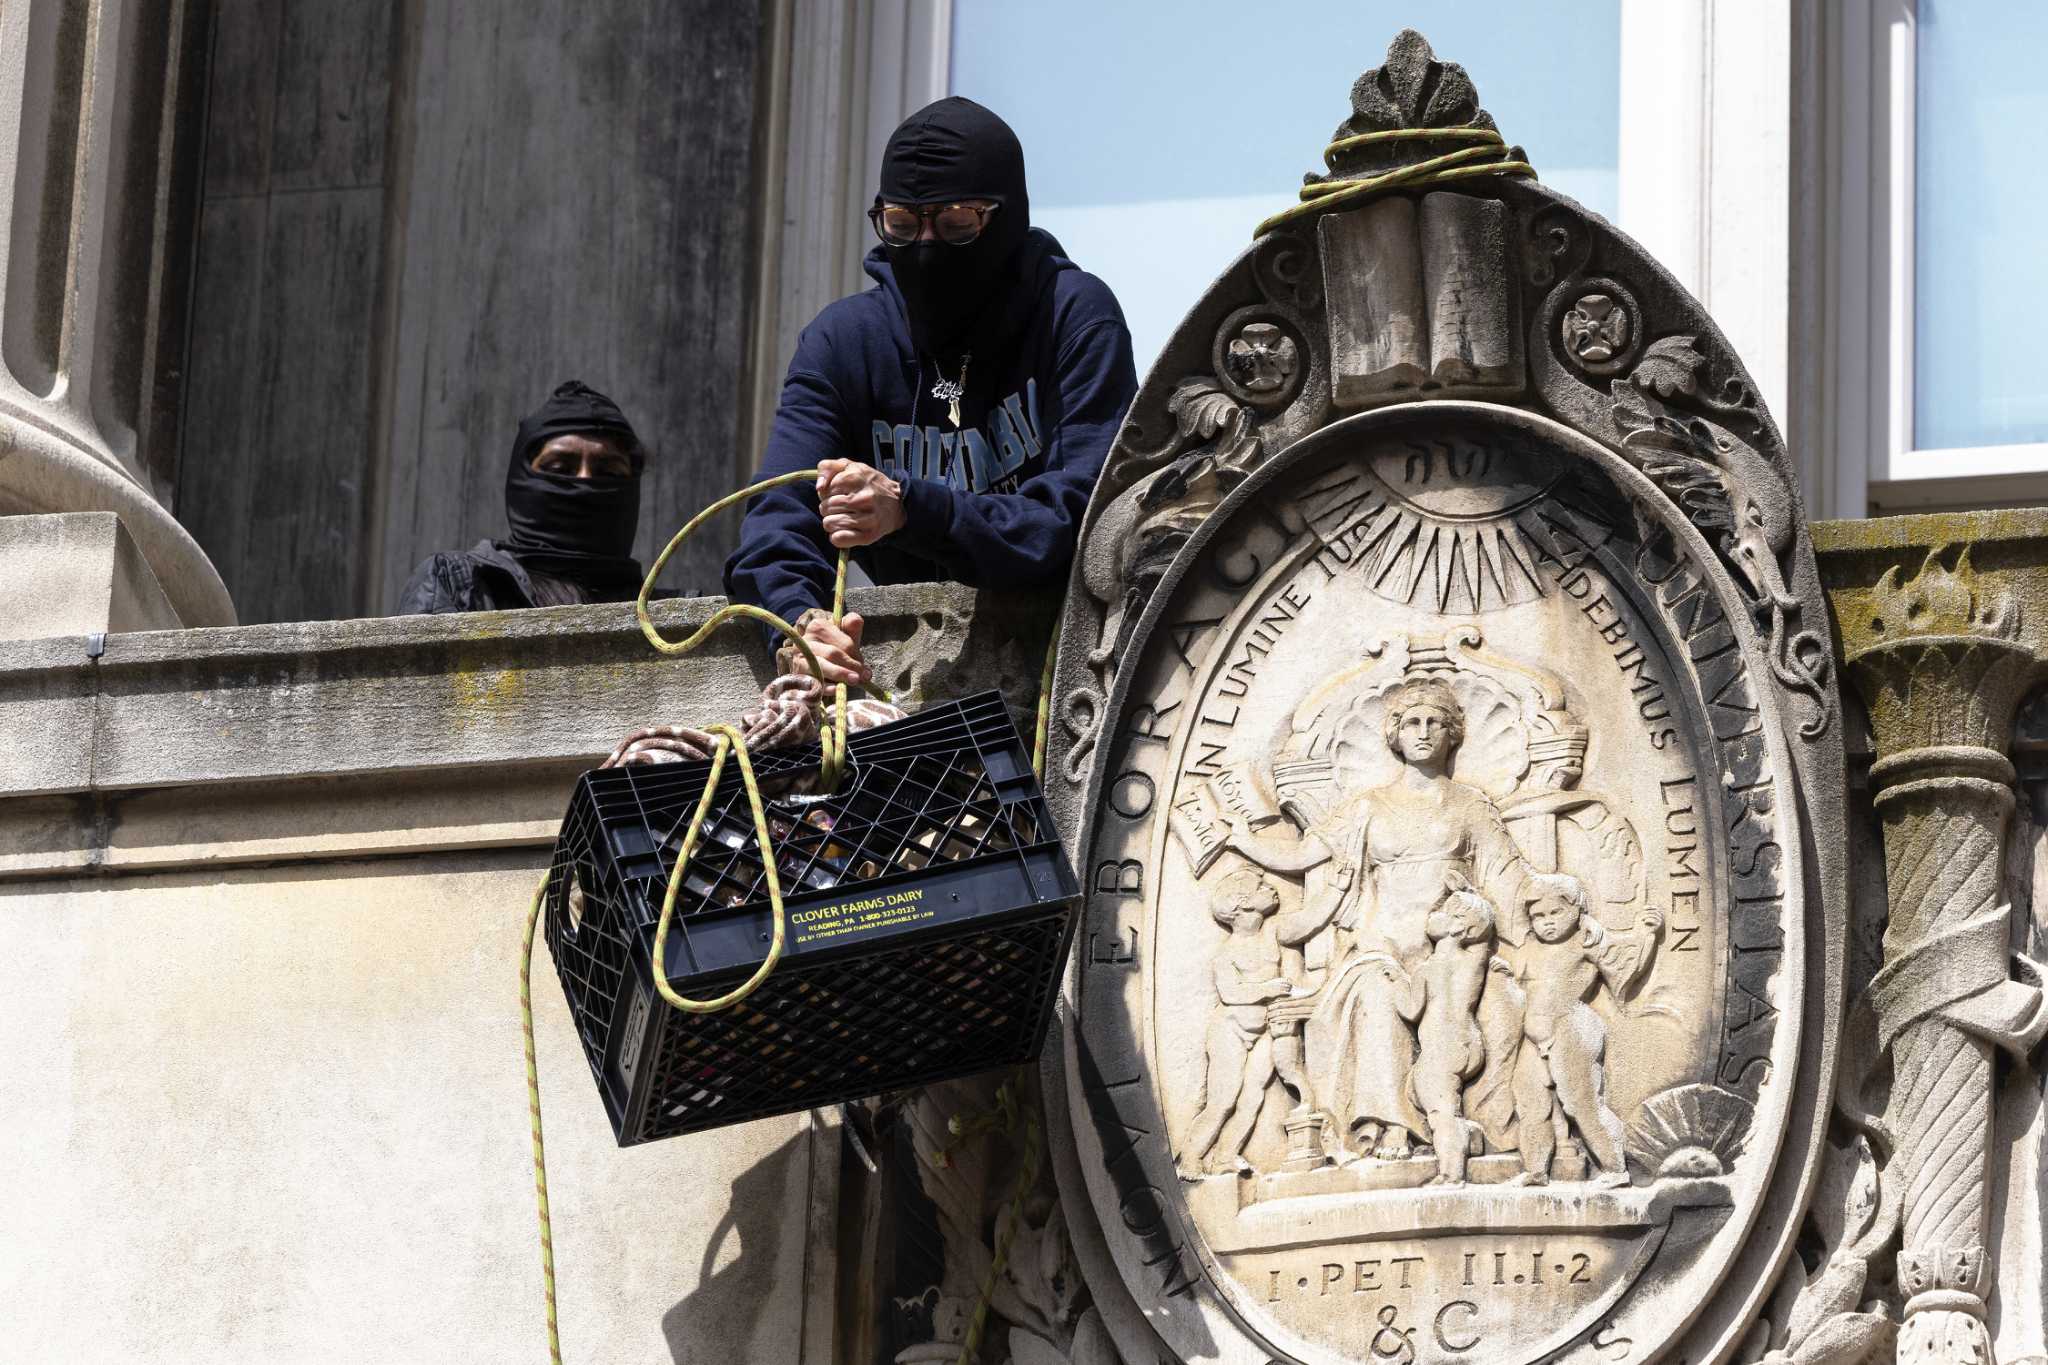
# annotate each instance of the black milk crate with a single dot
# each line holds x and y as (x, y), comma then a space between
(929, 911)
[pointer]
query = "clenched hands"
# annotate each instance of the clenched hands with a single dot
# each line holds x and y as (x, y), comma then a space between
(837, 648)
(858, 503)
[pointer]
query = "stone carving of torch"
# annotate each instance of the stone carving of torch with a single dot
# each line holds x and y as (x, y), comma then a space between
(1942, 673)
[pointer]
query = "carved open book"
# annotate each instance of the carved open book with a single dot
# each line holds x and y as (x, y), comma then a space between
(1429, 309)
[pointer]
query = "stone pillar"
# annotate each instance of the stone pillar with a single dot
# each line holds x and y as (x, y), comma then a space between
(1941, 667)
(93, 266)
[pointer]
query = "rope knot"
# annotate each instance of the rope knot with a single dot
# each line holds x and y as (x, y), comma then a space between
(1415, 121)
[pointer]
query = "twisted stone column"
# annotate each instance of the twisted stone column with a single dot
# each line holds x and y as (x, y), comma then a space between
(1942, 677)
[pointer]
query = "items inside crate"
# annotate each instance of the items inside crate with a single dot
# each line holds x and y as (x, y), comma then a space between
(929, 906)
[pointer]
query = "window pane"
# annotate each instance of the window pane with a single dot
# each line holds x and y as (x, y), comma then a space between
(1980, 281)
(1157, 136)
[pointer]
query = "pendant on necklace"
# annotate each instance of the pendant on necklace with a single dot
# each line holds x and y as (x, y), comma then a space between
(951, 391)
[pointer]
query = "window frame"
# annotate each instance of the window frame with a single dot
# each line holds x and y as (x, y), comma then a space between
(1874, 338)
(1766, 158)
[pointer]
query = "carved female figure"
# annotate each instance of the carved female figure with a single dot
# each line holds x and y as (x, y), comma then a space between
(1395, 850)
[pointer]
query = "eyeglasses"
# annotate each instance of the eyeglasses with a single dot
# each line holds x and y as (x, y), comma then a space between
(953, 224)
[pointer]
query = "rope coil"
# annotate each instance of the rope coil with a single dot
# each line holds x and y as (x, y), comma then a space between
(832, 746)
(1324, 196)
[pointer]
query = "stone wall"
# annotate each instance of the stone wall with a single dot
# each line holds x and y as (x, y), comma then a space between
(416, 220)
(261, 899)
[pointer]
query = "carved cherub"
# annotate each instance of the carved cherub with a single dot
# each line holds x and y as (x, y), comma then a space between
(1441, 997)
(1239, 1046)
(1561, 1072)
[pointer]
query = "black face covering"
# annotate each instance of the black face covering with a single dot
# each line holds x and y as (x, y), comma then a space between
(576, 529)
(944, 153)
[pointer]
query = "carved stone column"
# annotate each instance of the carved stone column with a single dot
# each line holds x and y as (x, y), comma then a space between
(1941, 667)
(94, 263)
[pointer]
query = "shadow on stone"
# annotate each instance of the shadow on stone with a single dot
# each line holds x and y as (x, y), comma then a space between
(743, 1298)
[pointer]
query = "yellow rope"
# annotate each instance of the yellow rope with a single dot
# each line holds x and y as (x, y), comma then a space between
(1326, 195)
(1044, 707)
(540, 1155)
(832, 765)
(832, 745)
(728, 738)
(1379, 137)
(1012, 1110)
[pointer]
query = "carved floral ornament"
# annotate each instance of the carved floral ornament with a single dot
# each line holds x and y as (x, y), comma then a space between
(1599, 331)
(1455, 955)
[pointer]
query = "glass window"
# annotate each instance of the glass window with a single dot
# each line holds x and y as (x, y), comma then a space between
(1156, 137)
(1980, 279)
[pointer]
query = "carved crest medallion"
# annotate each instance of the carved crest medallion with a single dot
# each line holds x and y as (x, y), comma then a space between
(1440, 920)
(1444, 778)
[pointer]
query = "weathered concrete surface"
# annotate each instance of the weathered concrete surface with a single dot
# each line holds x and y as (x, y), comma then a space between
(75, 573)
(280, 1114)
(418, 219)
(260, 924)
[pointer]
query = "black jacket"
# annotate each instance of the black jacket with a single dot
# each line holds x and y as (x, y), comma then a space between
(482, 579)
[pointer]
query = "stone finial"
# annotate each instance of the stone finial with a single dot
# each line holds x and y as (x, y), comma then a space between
(1410, 89)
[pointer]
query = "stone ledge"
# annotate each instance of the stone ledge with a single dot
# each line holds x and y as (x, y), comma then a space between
(404, 734)
(76, 573)
(1926, 530)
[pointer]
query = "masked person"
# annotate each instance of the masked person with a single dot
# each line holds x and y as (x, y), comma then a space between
(572, 498)
(959, 411)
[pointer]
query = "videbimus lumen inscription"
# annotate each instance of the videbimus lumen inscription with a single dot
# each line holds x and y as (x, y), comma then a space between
(1453, 758)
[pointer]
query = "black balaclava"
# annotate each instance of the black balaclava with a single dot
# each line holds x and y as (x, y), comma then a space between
(945, 152)
(576, 529)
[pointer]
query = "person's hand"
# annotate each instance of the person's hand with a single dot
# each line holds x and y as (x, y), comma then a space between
(1651, 920)
(858, 503)
(837, 648)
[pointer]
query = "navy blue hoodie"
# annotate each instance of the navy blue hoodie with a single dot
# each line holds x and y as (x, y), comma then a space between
(996, 503)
